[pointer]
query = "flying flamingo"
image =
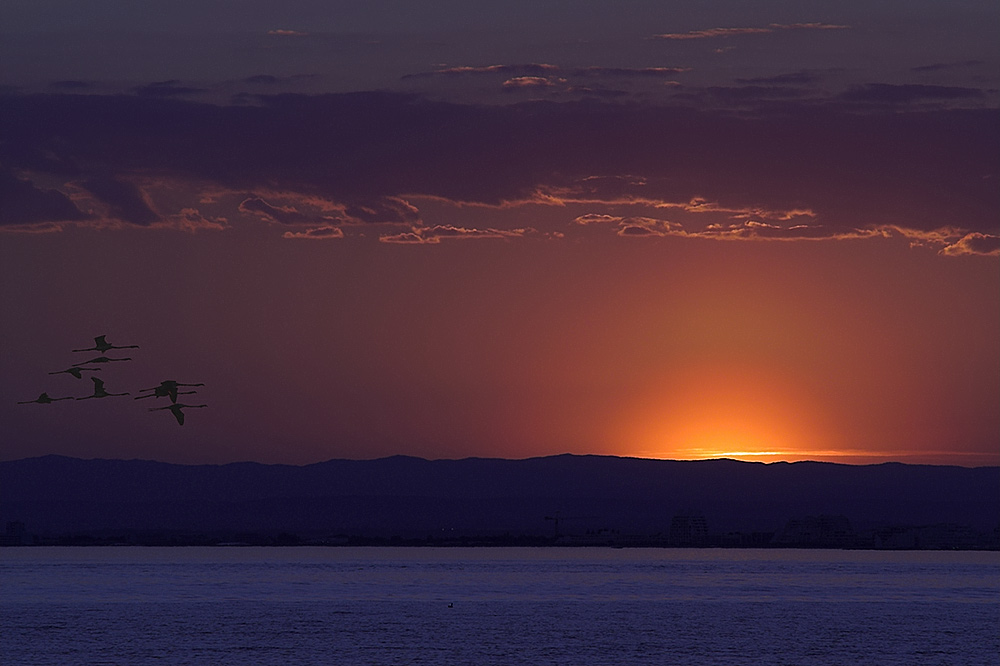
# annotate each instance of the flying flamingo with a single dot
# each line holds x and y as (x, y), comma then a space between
(168, 387)
(99, 391)
(102, 345)
(103, 359)
(76, 372)
(44, 399)
(160, 392)
(175, 409)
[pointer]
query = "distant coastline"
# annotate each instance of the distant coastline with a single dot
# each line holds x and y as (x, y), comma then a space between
(557, 501)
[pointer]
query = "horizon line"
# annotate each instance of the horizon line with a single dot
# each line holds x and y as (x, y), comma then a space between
(720, 458)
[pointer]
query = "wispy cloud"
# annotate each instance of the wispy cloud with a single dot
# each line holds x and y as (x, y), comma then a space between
(316, 233)
(939, 66)
(287, 215)
(438, 233)
(530, 69)
(974, 243)
(22, 204)
(72, 85)
(801, 77)
(191, 219)
(171, 88)
(544, 70)
(527, 82)
(755, 230)
(888, 93)
(710, 33)
(356, 160)
(949, 240)
(123, 200)
(648, 227)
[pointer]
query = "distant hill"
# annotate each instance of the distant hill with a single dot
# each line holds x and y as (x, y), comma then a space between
(412, 497)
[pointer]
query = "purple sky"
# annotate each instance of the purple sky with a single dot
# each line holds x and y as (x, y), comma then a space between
(449, 229)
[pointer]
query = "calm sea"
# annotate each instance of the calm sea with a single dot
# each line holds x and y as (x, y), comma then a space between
(576, 606)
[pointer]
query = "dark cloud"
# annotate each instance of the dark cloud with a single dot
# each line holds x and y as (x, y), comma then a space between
(938, 66)
(733, 32)
(172, 88)
(71, 85)
(544, 70)
(974, 243)
(599, 93)
(740, 94)
(124, 200)
(271, 80)
(22, 203)
(287, 215)
(368, 155)
(641, 72)
(802, 77)
(617, 188)
(265, 79)
(714, 32)
(530, 69)
(887, 93)
(385, 210)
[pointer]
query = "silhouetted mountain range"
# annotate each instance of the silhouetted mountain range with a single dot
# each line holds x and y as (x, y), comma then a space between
(413, 497)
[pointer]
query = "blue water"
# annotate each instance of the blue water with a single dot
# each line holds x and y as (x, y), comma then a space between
(496, 606)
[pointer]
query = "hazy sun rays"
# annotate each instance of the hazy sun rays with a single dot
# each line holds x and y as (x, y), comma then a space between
(741, 411)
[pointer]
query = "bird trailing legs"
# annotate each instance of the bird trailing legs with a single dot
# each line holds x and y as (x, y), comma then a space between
(76, 372)
(177, 410)
(102, 359)
(99, 391)
(167, 387)
(160, 392)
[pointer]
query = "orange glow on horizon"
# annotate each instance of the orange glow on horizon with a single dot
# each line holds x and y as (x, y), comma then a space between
(844, 457)
(748, 413)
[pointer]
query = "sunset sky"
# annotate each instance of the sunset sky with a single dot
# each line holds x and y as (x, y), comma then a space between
(768, 231)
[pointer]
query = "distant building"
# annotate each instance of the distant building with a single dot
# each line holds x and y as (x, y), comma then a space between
(746, 539)
(15, 535)
(826, 531)
(943, 536)
(688, 530)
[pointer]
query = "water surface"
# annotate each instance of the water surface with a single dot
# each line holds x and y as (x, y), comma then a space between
(497, 606)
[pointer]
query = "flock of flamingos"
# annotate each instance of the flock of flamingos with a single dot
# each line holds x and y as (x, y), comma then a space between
(168, 388)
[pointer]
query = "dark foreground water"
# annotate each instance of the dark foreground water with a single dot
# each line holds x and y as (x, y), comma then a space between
(217, 606)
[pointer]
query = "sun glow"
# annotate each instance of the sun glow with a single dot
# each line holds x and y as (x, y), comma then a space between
(737, 412)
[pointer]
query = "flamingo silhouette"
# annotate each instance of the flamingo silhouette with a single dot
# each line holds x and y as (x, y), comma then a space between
(44, 399)
(103, 359)
(167, 387)
(102, 345)
(99, 391)
(160, 392)
(176, 408)
(76, 372)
